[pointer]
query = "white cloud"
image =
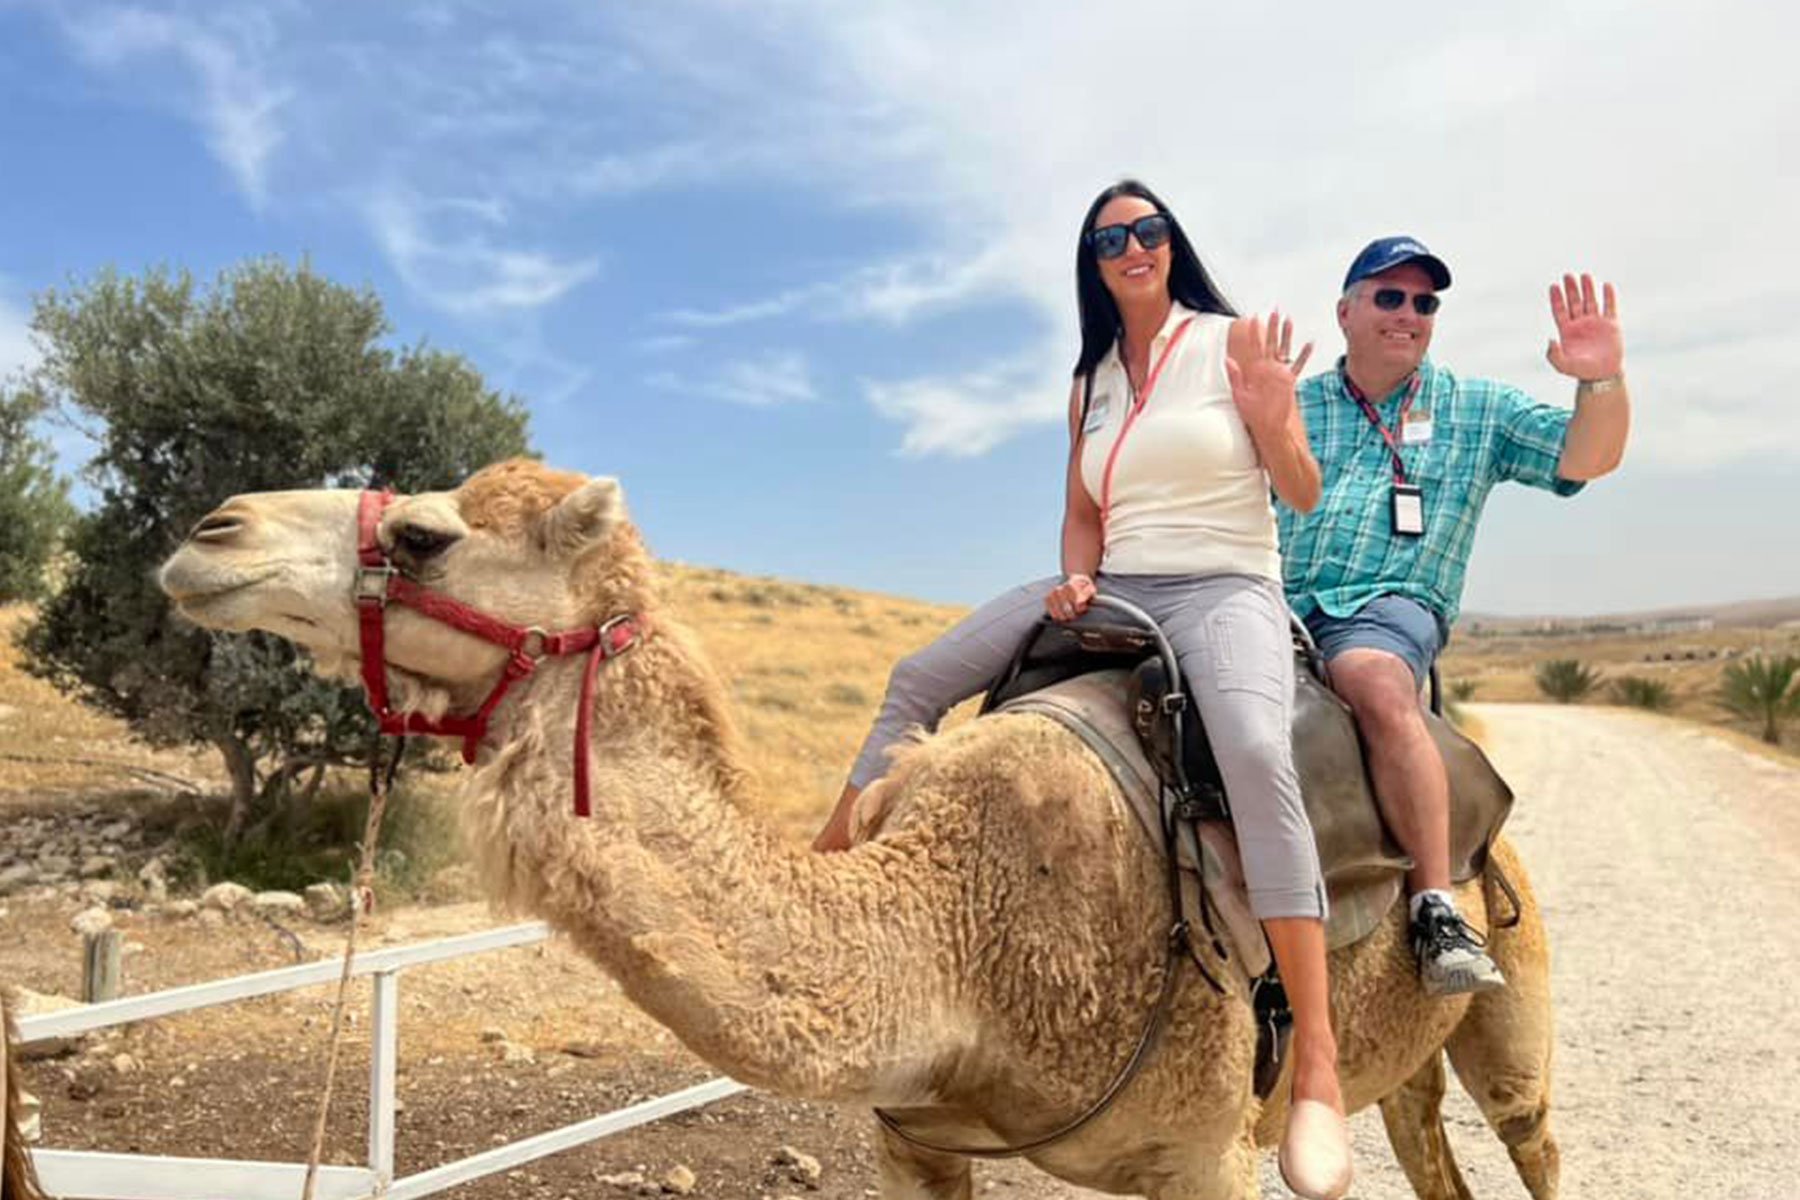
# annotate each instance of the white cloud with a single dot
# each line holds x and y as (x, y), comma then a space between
(766, 380)
(464, 272)
(239, 105)
(893, 292)
(967, 415)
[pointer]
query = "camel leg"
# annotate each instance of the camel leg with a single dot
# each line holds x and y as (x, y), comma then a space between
(1502, 1048)
(1415, 1129)
(910, 1173)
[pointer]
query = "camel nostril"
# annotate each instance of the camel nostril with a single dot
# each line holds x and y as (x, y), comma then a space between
(215, 527)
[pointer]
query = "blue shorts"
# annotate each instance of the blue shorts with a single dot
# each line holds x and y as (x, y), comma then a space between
(1397, 624)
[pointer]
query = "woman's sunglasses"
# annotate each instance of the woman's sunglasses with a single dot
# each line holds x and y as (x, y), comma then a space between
(1390, 299)
(1109, 241)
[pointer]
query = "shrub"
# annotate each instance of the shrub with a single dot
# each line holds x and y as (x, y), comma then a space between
(1463, 689)
(1638, 692)
(1566, 680)
(1763, 689)
(273, 377)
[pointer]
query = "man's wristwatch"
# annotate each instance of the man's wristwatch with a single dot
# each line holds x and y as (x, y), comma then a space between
(1593, 387)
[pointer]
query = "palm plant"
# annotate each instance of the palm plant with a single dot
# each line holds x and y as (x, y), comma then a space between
(1566, 679)
(1763, 689)
(1639, 692)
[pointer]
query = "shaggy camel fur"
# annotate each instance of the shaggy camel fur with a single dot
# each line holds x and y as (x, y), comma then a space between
(982, 967)
(18, 1180)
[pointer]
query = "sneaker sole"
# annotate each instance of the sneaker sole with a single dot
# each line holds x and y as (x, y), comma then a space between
(1462, 983)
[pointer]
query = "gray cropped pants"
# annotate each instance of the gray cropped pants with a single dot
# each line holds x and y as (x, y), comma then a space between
(1232, 636)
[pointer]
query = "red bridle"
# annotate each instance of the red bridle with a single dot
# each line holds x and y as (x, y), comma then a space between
(379, 583)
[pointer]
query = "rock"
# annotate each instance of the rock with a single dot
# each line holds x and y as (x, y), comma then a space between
(52, 867)
(515, 1055)
(680, 1181)
(492, 1034)
(327, 902)
(801, 1168)
(154, 875)
(278, 904)
(90, 922)
(117, 831)
(626, 1181)
(124, 1064)
(96, 865)
(14, 878)
(179, 910)
(211, 917)
(100, 892)
(31, 1118)
(225, 897)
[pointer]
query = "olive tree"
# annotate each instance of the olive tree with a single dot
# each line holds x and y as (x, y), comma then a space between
(269, 377)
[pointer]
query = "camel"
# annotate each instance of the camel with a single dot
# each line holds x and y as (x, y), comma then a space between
(979, 968)
(18, 1180)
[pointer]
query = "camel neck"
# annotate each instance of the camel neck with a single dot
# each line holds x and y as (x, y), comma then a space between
(744, 945)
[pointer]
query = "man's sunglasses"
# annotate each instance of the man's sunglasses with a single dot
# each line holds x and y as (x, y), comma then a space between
(1390, 299)
(1109, 241)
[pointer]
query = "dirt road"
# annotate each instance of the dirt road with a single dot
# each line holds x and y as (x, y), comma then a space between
(1667, 861)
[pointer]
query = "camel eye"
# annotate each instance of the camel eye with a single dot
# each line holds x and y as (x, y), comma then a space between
(420, 542)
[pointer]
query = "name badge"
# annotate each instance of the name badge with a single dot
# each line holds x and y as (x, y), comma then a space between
(1415, 430)
(1408, 510)
(1097, 413)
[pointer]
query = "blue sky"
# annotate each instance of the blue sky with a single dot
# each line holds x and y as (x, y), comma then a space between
(799, 273)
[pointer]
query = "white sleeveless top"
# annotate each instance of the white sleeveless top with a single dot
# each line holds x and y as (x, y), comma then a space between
(1187, 494)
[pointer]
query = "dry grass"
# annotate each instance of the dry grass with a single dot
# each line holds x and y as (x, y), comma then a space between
(1502, 667)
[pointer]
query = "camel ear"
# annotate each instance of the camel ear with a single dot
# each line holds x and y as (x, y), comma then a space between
(584, 517)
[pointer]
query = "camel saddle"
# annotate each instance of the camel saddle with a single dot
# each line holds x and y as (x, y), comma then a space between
(1103, 680)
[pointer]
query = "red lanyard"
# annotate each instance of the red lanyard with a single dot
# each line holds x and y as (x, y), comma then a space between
(1131, 417)
(1412, 393)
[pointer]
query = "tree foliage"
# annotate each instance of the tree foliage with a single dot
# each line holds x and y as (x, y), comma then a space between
(272, 377)
(34, 500)
(1763, 689)
(1565, 680)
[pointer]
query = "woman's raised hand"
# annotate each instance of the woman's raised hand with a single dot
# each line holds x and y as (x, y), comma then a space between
(1263, 372)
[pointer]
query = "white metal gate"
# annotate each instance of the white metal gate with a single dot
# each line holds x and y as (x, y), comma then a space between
(88, 1175)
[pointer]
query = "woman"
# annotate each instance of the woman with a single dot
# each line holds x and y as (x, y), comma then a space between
(1189, 420)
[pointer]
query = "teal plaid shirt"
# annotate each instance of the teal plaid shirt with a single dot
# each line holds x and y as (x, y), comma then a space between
(1344, 553)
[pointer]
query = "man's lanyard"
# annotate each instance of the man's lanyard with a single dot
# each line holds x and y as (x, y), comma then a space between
(1412, 393)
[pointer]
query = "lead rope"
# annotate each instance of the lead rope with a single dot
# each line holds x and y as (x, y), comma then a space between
(362, 895)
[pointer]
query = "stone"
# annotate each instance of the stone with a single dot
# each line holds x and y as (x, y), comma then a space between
(515, 1055)
(96, 865)
(492, 1034)
(679, 1181)
(124, 1064)
(98, 892)
(802, 1168)
(117, 831)
(154, 875)
(54, 866)
(278, 904)
(15, 878)
(211, 917)
(225, 897)
(327, 902)
(623, 1180)
(91, 922)
(179, 910)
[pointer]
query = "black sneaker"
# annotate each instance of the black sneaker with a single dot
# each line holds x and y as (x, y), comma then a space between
(1451, 958)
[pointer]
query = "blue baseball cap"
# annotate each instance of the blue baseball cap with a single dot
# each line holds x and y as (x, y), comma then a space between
(1388, 252)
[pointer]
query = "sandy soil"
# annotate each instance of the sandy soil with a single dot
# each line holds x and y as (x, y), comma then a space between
(1667, 861)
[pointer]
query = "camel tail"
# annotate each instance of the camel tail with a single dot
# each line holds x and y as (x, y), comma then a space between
(18, 1178)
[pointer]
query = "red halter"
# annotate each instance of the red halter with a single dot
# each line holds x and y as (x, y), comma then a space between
(379, 583)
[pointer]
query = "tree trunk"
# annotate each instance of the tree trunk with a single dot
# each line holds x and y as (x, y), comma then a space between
(240, 765)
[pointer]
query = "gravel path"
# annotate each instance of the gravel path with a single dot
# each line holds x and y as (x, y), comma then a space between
(1667, 861)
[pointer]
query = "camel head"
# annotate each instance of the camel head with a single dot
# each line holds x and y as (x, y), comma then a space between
(518, 541)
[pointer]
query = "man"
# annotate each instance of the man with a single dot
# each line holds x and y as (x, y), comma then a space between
(1408, 452)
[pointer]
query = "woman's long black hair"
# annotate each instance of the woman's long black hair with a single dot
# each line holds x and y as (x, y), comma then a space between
(1189, 283)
